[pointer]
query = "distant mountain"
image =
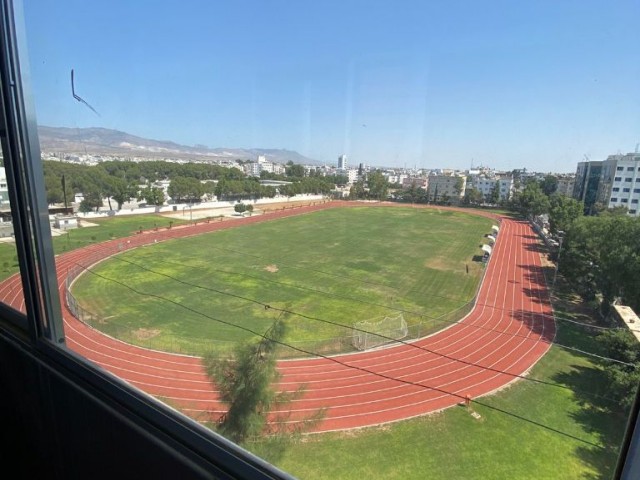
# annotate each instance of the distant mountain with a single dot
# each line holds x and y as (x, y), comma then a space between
(104, 141)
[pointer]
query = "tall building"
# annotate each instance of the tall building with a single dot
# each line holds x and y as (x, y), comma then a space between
(614, 182)
(342, 162)
(586, 184)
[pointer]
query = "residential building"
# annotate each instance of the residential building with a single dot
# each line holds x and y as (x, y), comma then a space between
(450, 187)
(565, 185)
(614, 182)
(486, 185)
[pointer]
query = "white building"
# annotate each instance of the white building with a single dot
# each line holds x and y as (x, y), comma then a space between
(4, 189)
(342, 162)
(486, 185)
(450, 187)
(620, 182)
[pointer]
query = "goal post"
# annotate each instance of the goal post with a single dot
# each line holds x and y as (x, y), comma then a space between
(367, 334)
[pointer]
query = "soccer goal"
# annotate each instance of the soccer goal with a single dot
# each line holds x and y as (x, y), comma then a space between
(368, 334)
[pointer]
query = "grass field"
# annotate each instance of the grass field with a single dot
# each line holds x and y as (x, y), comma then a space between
(343, 265)
(103, 229)
(453, 445)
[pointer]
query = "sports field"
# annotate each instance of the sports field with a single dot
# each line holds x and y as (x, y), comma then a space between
(342, 265)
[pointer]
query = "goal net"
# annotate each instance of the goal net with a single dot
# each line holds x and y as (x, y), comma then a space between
(368, 334)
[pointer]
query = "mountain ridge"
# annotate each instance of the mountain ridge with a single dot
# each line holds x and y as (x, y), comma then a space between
(106, 141)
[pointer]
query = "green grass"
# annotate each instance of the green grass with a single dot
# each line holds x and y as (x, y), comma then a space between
(343, 265)
(105, 229)
(582, 441)
(453, 445)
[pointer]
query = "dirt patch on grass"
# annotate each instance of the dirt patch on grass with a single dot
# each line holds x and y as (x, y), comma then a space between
(437, 264)
(271, 268)
(145, 333)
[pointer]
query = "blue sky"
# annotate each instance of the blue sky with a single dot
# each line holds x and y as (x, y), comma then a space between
(509, 84)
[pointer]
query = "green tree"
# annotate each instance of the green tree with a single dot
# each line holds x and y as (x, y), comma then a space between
(378, 185)
(563, 211)
(473, 196)
(240, 208)
(532, 200)
(152, 195)
(623, 378)
(494, 196)
(295, 170)
(246, 382)
(549, 185)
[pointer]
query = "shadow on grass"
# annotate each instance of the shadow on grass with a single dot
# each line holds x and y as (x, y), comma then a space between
(603, 418)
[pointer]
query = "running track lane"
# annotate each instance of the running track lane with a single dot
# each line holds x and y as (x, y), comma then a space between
(510, 328)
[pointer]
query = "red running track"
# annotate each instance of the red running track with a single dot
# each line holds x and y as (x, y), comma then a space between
(510, 328)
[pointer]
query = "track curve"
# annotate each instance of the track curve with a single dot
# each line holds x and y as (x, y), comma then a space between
(510, 328)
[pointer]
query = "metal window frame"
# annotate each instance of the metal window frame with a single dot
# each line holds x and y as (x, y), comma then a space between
(43, 323)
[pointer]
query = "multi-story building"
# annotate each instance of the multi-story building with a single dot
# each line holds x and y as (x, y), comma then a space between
(614, 182)
(4, 191)
(565, 185)
(586, 183)
(450, 187)
(486, 185)
(342, 162)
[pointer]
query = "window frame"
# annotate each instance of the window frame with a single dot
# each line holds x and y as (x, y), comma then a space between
(41, 328)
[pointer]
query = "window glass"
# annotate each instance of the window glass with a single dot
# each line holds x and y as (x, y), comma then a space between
(284, 189)
(11, 293)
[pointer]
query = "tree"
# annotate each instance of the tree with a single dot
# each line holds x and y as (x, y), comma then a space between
(602, 255)
(378, 185)
(563, 211)
(152, 195)
(532, 200)
(549, 185)
(295, 170)
(473, 196)
(186, 189)
(457, 188)
(240, 208)
(623, 378)
(494, 196)
(245, 382)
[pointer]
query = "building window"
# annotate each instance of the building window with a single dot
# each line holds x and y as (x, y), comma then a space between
(635, 200)
(619, 169)
(616, 189)
(618, 179)
(629, 169)
(614, 200)
(624, 200)
(632, 211)
(636, 190)
(626, 190)
(628, 180)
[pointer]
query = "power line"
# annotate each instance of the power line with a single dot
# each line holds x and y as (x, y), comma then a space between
(354, 367)
(290, 312)
(331, 322)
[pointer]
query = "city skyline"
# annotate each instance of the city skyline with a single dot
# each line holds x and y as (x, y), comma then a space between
(432, 86)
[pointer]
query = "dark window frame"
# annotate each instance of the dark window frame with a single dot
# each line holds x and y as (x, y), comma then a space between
(41, 327)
